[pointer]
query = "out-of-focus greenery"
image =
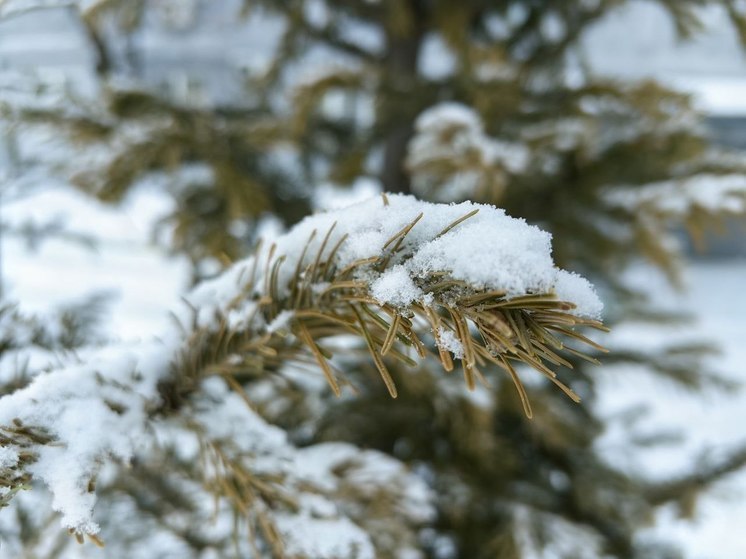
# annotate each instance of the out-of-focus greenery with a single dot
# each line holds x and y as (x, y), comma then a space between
(578, 146)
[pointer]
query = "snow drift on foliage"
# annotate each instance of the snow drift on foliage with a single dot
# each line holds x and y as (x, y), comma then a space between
(488, 250)
(452, 157)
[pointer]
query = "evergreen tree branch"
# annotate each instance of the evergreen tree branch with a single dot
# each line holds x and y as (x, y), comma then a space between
(685, 489)
(279, 308)
(329, 35)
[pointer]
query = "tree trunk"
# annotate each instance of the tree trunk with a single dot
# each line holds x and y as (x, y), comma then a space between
(399, 109)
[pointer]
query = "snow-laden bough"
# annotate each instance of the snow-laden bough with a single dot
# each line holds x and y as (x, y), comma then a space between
(405, 279)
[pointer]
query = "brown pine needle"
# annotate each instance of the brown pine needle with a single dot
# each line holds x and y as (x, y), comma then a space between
(311, 275)
(469, 376)
(462, 332)
(578, 336)
(582, 355)
(419, 347)
(519, 387)
(385, 375)
(391, 335)
(350, 284)
(457, 222)
(328, 373)
(296, 291)
(567, 390)
(445, 355)
(550, 356)
(402, 233)
(329, 268)
(238, 389)
(342, 320)
(480, 297)
(356, 264)
(270, 255)
(96, 540)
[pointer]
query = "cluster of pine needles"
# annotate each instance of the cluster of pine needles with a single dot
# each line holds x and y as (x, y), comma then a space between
(327, 302)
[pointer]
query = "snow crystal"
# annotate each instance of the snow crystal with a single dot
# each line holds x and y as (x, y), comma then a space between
(574, 288)
(8, 457)
(395, 286)
(448, 341)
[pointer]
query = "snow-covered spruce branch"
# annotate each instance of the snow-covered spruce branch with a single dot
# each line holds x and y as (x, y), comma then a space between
(404, 278)
(707, 194)
(698, 201)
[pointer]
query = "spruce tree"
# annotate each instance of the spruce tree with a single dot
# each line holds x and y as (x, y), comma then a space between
(510, 117)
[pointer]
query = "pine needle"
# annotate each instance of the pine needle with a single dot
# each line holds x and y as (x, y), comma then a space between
(391, 335)
(385, 375)
(328, 373)
(457, 222)
(399, 237)
(519, 387)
